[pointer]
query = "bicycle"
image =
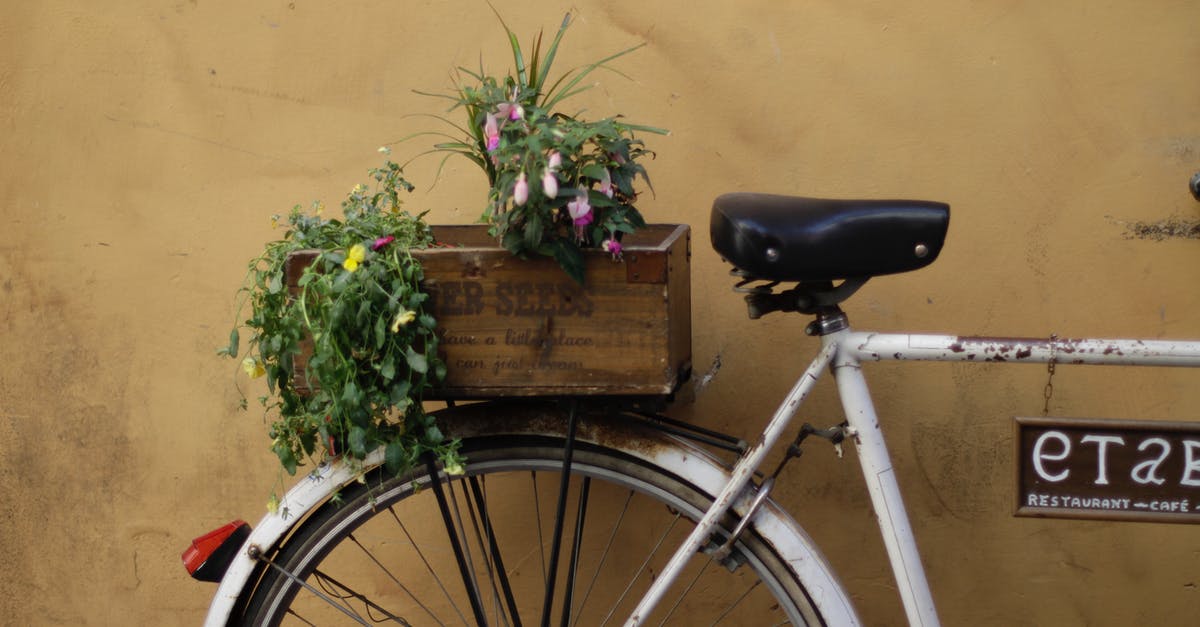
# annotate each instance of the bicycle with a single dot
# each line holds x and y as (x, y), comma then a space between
(322, 557)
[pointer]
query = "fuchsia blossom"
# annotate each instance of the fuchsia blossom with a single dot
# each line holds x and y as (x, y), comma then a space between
(491, 130)
(580, 210)
(549, 181)
(521, 190)
(383, 241)
(581, 213)
(511, 111)
(606, 184)
(612, 247)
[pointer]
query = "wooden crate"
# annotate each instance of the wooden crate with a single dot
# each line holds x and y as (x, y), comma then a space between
(522, 327)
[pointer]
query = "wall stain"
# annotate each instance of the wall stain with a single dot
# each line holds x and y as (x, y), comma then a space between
(1173, 227)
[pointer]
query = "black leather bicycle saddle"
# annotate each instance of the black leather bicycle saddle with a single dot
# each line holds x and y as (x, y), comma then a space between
(789, 238)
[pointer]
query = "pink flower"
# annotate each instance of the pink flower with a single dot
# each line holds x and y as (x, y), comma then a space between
(549, 184)
(580, 210)
(521, 190)
(606, 184)
(612, 247)
(554, 161)
(511, 111)
(383, 241)
(491, 130)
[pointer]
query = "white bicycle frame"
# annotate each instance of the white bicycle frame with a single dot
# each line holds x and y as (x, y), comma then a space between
(845, 351)
(842, 350)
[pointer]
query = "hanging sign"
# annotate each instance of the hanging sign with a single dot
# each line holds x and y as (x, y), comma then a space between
(1108, 469)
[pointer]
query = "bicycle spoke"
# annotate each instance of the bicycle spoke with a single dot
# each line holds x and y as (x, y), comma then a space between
(537, 515)
(509, 599)
(488, 564)
(428, 567)
(560, 513)
(736, 601)
(645, 563)
(300, 618)
(350, 593)
(320, 595)
(603, 557)
(686, 590)
(393, 577)
(580, 516)
(452, 532)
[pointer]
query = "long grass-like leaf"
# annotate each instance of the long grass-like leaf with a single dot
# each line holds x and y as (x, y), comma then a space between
(588, 69)
(536, 58)
(646, 129)
(426, 134)
(515, 44)
(440, 118)
(551, 52)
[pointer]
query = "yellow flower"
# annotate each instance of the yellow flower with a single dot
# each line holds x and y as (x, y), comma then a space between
(273, 504)
(402, 319)
(275, 221)
(354, 256)
(318, 207)
(253, 367)
(454, 468)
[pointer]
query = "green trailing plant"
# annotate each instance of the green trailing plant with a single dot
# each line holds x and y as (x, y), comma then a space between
(557, 182)
(358, 314)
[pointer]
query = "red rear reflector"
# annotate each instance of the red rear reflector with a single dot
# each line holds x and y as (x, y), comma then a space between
(210, 554)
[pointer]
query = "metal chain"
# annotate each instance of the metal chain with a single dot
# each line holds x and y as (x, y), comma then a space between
(1048, 391)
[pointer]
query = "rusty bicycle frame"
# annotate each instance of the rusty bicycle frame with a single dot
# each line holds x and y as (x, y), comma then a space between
(844, 351)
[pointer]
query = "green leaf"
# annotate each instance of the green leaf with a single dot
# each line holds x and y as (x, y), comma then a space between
(286, 457)
(394, 457)
(550, 53)
(276, 284)
(350, 393)
(570, 258)
(593, 171)
(400, 391)
(358, 442)
(416, 361)
(388, 369)
(380, 332)
(234, 342)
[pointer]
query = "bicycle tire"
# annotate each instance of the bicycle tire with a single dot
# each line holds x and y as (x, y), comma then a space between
(374, 512)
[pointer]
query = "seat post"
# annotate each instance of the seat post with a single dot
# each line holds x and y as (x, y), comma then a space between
(830, 319)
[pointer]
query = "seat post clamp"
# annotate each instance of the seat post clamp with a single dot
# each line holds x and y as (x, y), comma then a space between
(829, 320)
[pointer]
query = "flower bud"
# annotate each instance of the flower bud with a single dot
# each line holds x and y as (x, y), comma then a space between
(521, 190)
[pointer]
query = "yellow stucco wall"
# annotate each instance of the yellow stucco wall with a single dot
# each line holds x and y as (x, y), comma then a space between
(146, 143)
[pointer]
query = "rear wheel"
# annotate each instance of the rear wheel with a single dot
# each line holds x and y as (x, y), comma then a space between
(384, 553)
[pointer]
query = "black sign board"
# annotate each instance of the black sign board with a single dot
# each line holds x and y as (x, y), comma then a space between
(1108, 469)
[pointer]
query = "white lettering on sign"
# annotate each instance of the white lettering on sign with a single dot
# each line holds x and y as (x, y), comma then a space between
(1056, 446)
(1190, 464)
(1119, 470)
(1147, 471)
(1102, 442)
(1075, 502)
(1039, 455)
